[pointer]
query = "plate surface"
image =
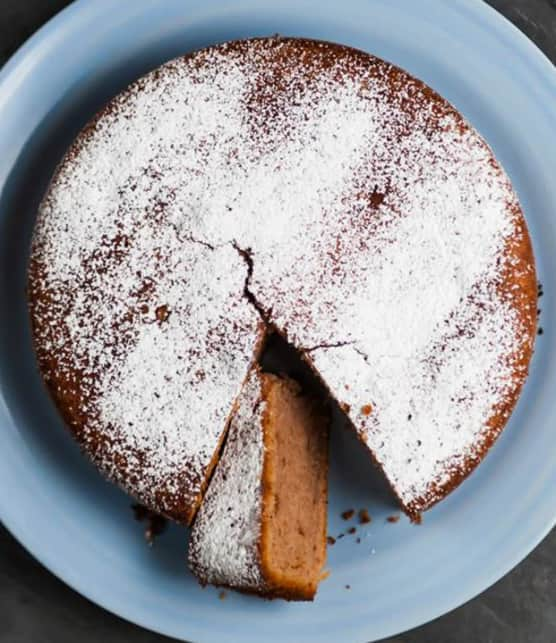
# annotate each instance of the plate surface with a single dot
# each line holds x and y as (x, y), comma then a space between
(400, 576)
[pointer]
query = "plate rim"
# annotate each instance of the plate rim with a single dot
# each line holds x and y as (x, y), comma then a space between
(489, 19)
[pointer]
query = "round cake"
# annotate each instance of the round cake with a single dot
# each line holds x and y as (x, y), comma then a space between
(302, 186)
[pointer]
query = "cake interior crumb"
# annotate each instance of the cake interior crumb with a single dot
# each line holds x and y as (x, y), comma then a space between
(293, 546)
(364, 517)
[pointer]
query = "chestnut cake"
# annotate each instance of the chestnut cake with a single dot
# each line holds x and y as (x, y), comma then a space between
(302, 186)
(262, 525)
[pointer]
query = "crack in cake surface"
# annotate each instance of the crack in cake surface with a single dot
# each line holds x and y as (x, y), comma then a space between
(312, 349)
(247, 256)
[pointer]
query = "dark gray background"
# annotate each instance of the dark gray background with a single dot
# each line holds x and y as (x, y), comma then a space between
(35, 607)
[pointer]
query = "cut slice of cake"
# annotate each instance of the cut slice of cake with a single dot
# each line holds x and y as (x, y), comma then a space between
(262, 525)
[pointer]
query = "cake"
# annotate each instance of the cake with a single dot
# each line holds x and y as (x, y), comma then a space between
(262, 525)
(313, 189)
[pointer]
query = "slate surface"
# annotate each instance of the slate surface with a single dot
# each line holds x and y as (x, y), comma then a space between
(35, 607)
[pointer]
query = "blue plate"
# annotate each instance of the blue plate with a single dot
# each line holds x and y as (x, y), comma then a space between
(399, 576)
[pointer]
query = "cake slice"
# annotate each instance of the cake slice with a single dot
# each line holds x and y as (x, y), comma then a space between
(262, 525)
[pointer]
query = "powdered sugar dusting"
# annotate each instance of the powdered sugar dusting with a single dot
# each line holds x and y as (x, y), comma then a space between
(374, 216)
(224, 546)
(429, 413)
(399, 291)
(179, 388)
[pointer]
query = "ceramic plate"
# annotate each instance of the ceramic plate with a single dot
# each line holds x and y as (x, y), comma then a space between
(399, 576)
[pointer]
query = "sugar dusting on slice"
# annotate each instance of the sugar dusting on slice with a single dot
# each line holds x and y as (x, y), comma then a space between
(224, 546)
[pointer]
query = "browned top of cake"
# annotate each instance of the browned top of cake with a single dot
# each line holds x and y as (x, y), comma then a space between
(376, 231)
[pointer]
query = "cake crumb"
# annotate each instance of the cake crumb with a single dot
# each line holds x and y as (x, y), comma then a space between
(540, 331)
(162, 313)
(348, 586)
(155, 523)
(367, 409)
(340, 536)
(330, 540)
(222, 596)
(393, 519)
(364, 517)
(358, 540)
(348, 514)
(352, 530)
